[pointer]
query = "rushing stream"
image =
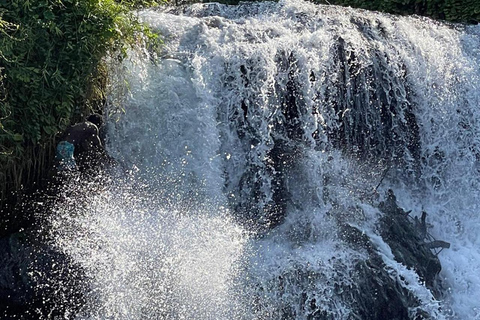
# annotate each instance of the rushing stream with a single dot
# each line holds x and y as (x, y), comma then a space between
(251, 142)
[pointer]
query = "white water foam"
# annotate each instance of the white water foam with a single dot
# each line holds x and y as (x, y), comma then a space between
(145, 259)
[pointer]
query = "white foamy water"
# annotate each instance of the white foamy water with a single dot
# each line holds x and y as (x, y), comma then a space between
(241, 114)
(145, 259)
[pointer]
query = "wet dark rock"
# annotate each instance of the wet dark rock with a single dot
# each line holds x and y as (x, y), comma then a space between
(369, 291)
(15, 291)
(36, 281)
(375, 117)
(377, 294)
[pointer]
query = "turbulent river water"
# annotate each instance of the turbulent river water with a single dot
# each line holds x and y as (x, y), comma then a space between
(252, 138)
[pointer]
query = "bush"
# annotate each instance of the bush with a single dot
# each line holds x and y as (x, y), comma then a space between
(50, 58)
(467, 11)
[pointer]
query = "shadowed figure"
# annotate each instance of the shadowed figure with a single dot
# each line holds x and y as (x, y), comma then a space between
(80, 147)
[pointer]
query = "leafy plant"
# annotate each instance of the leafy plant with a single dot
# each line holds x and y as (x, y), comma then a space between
(51, 52)
(467, 11)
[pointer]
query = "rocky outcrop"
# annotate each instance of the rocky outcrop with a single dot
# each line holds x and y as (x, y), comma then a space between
(377, 295)
(36, 280)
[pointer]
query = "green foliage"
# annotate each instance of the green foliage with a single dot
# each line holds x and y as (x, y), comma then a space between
(467, 11)
(138, 3)
(50, 53)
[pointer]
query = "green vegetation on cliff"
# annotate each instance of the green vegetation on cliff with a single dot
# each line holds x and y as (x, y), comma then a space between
(51, 74)
(467, 11)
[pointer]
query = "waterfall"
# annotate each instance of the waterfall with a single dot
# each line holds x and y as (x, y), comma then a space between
(254, 149)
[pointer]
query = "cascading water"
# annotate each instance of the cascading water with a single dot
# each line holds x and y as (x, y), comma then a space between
(253, 144)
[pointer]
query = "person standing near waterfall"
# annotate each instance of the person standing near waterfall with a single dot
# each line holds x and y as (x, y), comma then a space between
(80, 145)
